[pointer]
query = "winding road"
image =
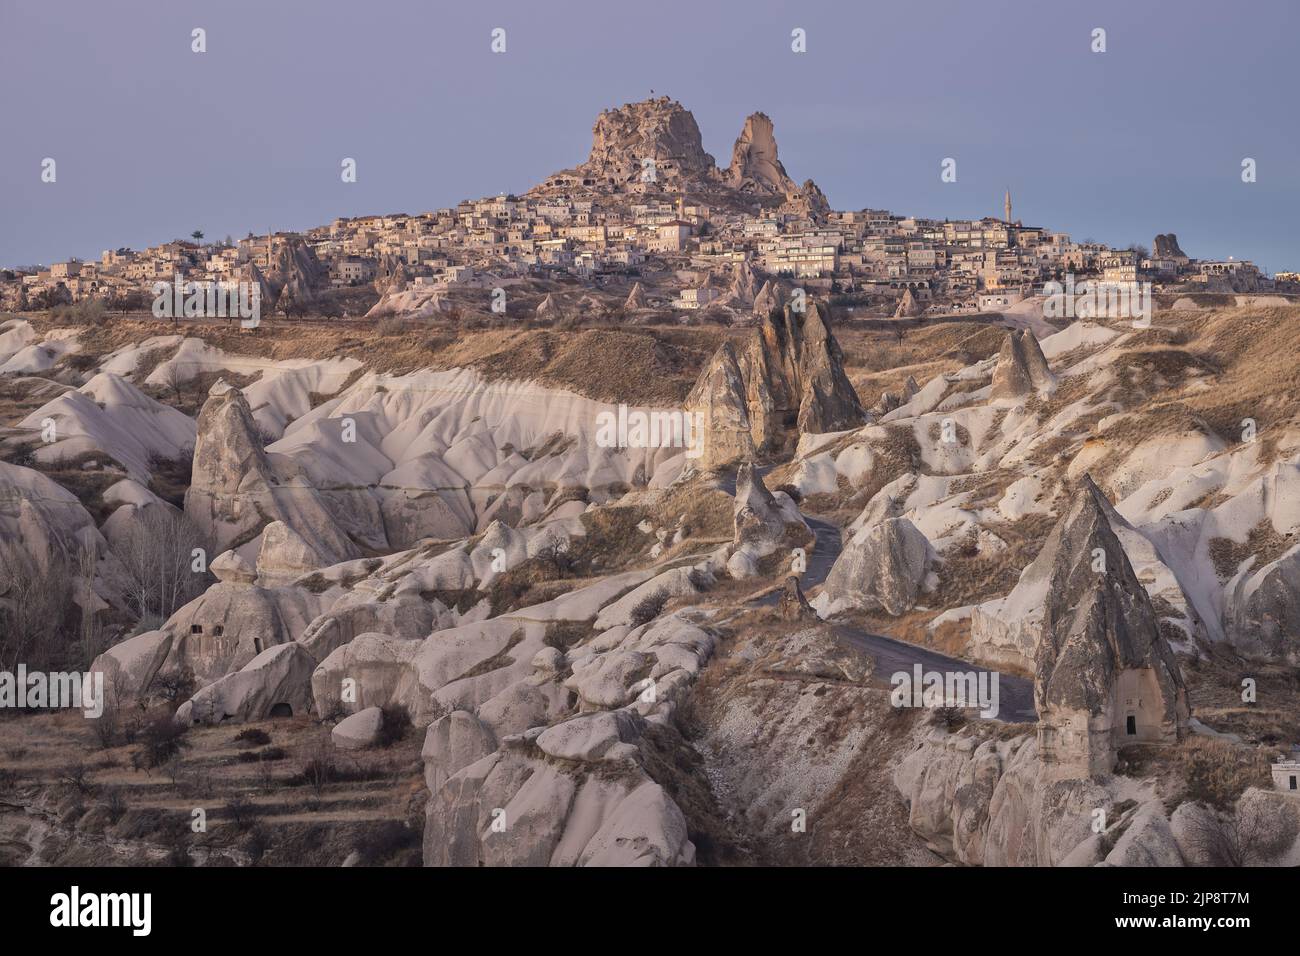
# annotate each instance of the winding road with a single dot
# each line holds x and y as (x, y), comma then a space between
(1015, 694)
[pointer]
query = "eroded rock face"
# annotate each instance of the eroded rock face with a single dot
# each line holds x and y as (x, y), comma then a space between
(829, 402)
(636, 298)
(238, 489)
(1166, 247)
(754, 163)
(660, 129)
(130, 666)
(574, 794)
(884, 567)
(1261, 616)
(767, 299)
(1021, 369)
(791, 377)
(1104, 674)
(358, 731)
(908, 307)
(764, 523)
(719, 399)
(277, 682)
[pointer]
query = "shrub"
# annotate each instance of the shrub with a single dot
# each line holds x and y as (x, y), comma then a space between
(1217, 773)
(162, 738)
(394, 724)
(649, 608)
(387, 839)
(252, 737)
(115, 804)
(242, 811)
(949, 718)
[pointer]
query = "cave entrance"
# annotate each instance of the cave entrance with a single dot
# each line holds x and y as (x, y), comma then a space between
(281, 710)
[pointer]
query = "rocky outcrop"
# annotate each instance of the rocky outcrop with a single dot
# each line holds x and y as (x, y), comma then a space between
(908, 307)
(275, 683)
(238, 489)
(767, 299)
(754, 163)
(549, 308)
(884, 568)
(635, 299)
(1166, 247)
(659, 129)
(575, 794)
(829, 402)
(764, 523)
(1104, 674)
(295, 271)
(129, 667)
(743, 288)
(1021, 368)
(718, 401)
(1261, 617)
(792, 380)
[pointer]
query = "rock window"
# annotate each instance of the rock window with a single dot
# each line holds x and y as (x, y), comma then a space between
(196, 628)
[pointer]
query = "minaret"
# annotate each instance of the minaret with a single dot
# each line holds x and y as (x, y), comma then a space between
(1006, 205)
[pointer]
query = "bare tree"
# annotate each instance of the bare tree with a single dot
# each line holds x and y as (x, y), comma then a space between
(158, 555)
(170, 376)
(33, 601)
(1249, 837)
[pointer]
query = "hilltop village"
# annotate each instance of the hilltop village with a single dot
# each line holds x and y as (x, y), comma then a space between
(649, 207)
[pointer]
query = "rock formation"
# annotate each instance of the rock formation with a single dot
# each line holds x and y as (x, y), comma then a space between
(754, 163)
(767, 299)
(791, 380)
(1166, 247)
(1104, 673)
(883, 567)
(1021, 368)
(238, 489)
(764, 523)
(718, 399)
(908, 307)
(635, 299)
(661, 130)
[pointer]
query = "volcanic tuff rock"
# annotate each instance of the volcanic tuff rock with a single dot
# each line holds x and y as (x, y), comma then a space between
(1262, 609)
(718, 398)
(1101, 647)
(1166, 247)
(238, 489)
(768, 298)
(1022, 368)
(908, 307)
(659, 129)
(278, 680)
(636, 298)
(790, 373)
(754, 163)
(884, 566)
(764, 523)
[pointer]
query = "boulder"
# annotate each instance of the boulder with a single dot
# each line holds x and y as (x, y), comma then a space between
(358, 731)
(130, 666)
(884, 567)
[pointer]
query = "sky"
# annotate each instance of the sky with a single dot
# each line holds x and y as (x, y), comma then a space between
(152, 140)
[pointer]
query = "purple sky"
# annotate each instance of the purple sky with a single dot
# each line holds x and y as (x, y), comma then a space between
(153, 141)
